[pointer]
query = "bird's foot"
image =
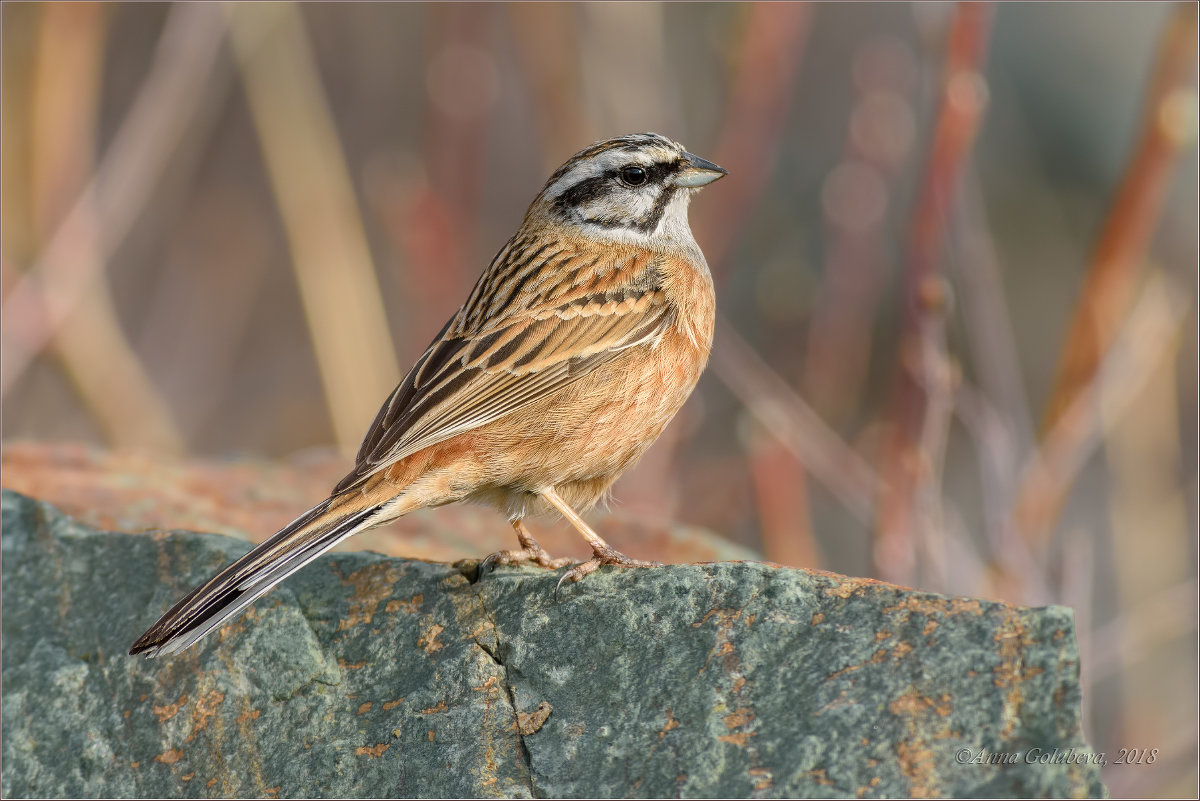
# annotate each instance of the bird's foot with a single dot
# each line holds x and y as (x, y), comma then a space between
(602, 556)
(530, 551)
(535, 554)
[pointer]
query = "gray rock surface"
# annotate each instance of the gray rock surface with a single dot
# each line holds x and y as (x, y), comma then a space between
(369, 676)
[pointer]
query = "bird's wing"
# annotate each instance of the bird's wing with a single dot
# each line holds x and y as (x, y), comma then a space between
(569, 323)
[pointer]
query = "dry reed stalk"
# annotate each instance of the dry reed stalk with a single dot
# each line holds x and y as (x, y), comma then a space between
(88, 340)
(308, 174)
(856, 197)
(71, 263)
(767, 63)
(794, 424)
(921, 396)
(1118, 259)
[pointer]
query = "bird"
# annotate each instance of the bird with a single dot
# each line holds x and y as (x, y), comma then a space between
(577, 345)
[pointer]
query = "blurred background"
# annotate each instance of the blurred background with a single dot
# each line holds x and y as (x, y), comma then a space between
(956, 265)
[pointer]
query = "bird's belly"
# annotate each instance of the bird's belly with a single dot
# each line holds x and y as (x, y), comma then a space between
(583, 437)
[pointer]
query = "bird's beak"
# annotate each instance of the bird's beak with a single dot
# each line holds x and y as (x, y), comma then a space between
(696, 172)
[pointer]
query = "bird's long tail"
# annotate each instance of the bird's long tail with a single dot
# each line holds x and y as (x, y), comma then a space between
(233, 589)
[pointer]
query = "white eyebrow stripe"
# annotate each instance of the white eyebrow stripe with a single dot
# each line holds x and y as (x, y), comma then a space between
(601, 163)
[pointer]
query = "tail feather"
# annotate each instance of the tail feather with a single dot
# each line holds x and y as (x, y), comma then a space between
(237, 586)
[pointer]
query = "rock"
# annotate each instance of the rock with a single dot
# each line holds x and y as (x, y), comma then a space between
(366, 675)
(131, 490)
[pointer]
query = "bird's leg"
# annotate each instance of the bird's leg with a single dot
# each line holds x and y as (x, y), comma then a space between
(602, 552)
(530, 551)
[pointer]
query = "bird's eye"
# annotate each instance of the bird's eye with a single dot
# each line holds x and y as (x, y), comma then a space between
(633, 175)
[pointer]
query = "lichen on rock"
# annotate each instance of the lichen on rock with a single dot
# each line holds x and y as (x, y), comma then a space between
(365, 675)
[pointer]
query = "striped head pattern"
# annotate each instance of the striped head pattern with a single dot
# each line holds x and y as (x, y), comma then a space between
(633, 188)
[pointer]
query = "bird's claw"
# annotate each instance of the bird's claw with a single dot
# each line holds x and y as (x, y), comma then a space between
(601, 557)
(536, 555)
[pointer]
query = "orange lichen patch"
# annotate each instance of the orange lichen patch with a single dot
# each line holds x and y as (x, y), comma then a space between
(882, 635)
(428, 640)
(390, 705)
(429, 736)
(373, 751)
(819, 777)
(738, 739)
(875, 659)
(710, 613)
(913, 752)
(490, 684)
(170, 756)
(231, 630)
(211, 782)
(842, 700)
(739, 717)
(929, 627)
(1012, 638)
(913, 703)
(575, 731)
(272, 790)
(127, 713)
(933, 605)
(916, 763)
(750, 620)
(411, 606)
(204, 711)
(344, 665)
(817, 619)
(247, 716)
(846, 587)
(910, 703)
(372, 584)
(433, 710)
(763, 778)
(168, 711)
(135, 765)
(187, 777)
(532, 722)
(724, 647)
(364, 708)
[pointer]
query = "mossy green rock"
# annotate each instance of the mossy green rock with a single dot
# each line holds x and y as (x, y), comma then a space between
(369, 676)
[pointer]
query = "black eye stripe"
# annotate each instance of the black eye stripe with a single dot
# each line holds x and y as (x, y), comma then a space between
(598, 186)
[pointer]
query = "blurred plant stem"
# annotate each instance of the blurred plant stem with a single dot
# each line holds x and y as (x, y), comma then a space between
(759, 96)
(122, 184)
(781, 493)
(855, 197)
(64, 297)
(793, 423)
(760, 93)
(996, 413)
(90, 345)
(925, 378)
(307, 170)
(1118, 261)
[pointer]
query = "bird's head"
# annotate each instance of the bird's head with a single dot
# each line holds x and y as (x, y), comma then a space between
(632, 188)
